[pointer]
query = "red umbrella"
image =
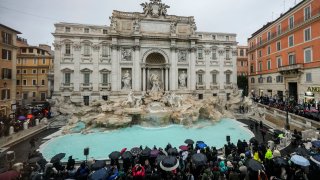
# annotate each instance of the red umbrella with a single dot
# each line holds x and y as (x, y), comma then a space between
(183, 148)
(123, 150)
(29, 116)
(10, 175)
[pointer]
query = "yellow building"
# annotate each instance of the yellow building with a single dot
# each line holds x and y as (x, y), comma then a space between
(8, 51)
(34, 63)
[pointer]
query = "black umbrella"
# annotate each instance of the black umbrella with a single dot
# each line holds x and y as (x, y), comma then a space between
(172, 152)
(57, 157)
(135, 151)
(254, 165)
(98, 165)
(199, 159)
(189, 141)
(302, 151)
(160, 158)
(34, 159)
(169, 163)
(280, 161)
(99, 174)
(154, 153)
(114, 155)
(126, 155)
(146, 152)
(253, 141)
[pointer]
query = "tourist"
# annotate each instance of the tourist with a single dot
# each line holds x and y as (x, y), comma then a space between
(82, 172)
(70, 164)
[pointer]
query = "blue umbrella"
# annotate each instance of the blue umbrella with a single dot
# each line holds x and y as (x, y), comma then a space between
(201, 144)
(299, 160)
(316, 143)
(316, 159)
(22, 118)
(99, 174)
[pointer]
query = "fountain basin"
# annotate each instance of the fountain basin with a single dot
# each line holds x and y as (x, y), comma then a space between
(101, 144)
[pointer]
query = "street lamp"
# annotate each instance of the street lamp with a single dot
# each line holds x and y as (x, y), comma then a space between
(287, 126)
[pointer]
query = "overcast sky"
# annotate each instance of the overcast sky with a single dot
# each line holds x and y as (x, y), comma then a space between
(35, 18)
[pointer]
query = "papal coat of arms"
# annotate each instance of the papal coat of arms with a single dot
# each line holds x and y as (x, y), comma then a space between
(155, 8)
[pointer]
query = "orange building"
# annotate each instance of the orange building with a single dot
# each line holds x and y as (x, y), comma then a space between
(284, 55)
(8, 51)
(34, 65)
(242, 61)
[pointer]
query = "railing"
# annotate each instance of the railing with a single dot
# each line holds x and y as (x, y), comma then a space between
(228, 85)
(274, 35)
(66, 86)
(200, 85)
(86, 86)
(290, 67)
(105, 86)
(214, 86)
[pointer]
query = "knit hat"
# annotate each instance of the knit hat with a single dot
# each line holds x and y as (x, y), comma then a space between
(229, 164)
(276, 153)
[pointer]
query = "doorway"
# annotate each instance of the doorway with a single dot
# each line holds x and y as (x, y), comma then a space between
(293, 90)
(86, 100)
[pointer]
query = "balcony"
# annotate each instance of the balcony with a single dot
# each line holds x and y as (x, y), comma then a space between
(200, 62)
(214, 86)
(200, 86)
(104, 86)
(66, 86)
(214, 63)
(67, 58)
(228, 86)
(86, 86)
(291, 69)
(227, 63)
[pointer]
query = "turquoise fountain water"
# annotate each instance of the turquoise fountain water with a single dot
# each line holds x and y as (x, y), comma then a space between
(101, 144)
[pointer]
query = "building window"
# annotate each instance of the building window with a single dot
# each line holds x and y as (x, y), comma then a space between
(200, 54)
(308, 55)
(34, 82)
(241, 63)
(307, 34)
(86, 78)
(200, 79)
(35, 61)
(307, 13)
(5, 94)
(269, 36)
(42, 82)
(268, 50)
(24, 71)
(86, 30)
(251, 69)
(68, 49)
(214, 37)
(18, 82)
(278, 45)
(6, 73)
(269, 64)
(260, 66)
(291, 22)
(43, 96)
(279, 62)
(104, 31)
(105, 51)
(24, 82)
(227, 54)
(279, 29)
(6, 54)
(241, 52)
(260, 53)
(252, 56)
(6, 38)
(43, 71)
(105, 79)
(292, 59)
(214, 78)
(308, 77)
(86, 50)
(252, 80)
(260, 40)
(34, 94)
(269, 79)
(290, 41)
(214, 54)
(279, 79)
(227, 38)
(67, 29)
(34, 71)
(260, 80)
(67, 78)
(43, 60)
(18, 71)
(30, 50)
(228, 75)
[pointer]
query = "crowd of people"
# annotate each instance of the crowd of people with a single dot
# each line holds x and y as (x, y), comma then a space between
(244, 160)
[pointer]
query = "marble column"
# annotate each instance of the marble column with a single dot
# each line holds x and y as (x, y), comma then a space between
(192, 73)
(136, 70)
(167, 78)
(114, 71)
(148, 75)
(174, 70)
(144, 79)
